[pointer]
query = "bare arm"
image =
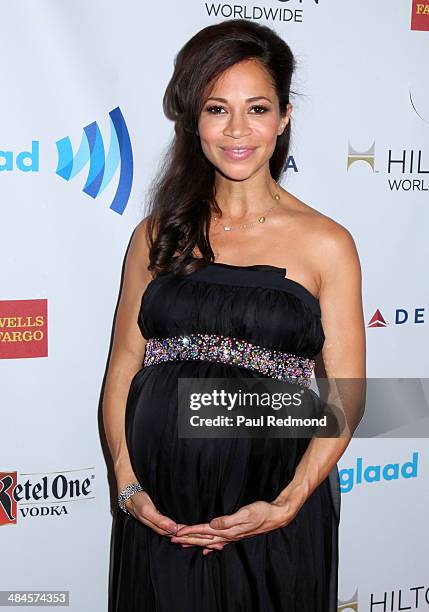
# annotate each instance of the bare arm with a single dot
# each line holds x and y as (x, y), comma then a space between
(344, 356)
(126, 360)
(127, 354)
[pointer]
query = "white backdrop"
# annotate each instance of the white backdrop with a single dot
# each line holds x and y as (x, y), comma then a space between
(362, 80)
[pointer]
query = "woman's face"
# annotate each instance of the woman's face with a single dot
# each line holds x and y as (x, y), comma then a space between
(240, 121)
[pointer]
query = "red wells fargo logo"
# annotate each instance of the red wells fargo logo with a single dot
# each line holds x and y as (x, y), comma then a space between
(420, 15)
(23, 328)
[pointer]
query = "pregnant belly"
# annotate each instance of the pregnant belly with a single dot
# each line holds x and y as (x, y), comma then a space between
(194, 479)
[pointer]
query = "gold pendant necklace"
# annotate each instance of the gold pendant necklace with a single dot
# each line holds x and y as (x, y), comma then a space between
(262, 219)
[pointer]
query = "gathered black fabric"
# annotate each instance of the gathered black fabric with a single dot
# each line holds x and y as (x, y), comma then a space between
(290, 569)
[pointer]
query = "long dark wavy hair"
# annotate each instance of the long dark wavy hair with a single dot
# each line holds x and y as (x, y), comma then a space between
(181, 197)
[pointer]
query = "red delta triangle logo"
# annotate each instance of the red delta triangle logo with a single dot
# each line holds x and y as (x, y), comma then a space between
(377, 320)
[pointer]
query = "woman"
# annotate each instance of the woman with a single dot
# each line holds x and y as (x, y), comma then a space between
(237, 524)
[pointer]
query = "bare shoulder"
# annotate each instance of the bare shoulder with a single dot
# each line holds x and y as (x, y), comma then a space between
(319, 250)
(140, 239)
(329, 239)
(140, 232)
(138, 251)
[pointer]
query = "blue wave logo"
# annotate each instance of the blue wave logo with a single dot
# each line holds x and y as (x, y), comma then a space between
(102, 168)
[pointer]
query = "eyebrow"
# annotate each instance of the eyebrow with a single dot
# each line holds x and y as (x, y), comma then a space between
(248, 99)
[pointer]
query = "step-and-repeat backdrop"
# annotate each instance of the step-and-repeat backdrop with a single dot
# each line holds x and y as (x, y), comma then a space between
(82, 132)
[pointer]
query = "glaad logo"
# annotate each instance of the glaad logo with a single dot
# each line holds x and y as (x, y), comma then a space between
(25, 161)
(375, 473)
(348, 605)
(102, 167)
(42, 494)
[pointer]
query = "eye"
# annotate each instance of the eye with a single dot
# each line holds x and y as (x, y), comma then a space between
(210, 109)
(214, 110)
(264, 109)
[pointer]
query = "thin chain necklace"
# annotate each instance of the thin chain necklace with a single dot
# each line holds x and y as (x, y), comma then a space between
(262, 219)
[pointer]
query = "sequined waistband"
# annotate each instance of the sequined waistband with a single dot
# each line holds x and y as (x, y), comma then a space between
(226, 349)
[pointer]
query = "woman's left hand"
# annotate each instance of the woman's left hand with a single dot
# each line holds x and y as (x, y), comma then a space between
(250, 520)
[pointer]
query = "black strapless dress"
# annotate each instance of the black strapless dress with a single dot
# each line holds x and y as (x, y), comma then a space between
(290, 569)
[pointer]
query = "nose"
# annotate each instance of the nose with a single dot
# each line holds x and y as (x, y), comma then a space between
(237, 126)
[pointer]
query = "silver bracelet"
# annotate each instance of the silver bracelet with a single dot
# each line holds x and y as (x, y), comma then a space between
(126, 493)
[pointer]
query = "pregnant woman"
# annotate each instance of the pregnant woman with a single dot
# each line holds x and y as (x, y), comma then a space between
(228, 276)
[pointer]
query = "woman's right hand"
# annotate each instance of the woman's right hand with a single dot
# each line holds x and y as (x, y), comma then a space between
(141, 506)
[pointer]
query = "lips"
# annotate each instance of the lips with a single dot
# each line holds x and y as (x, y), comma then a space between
(238, 152)
(238, 148)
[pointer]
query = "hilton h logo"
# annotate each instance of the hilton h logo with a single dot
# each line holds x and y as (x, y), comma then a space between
(350, 605)
(102, 168)
(366, 156)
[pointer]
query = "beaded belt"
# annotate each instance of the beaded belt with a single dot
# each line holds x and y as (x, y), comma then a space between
(224, 349)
